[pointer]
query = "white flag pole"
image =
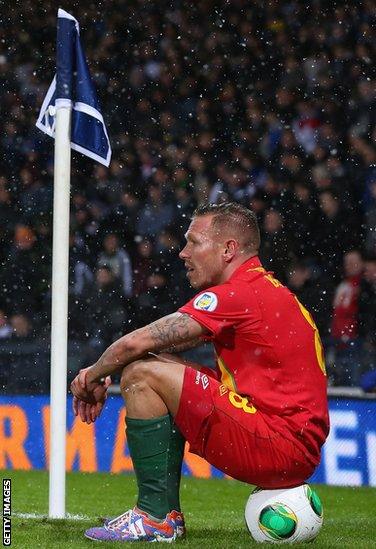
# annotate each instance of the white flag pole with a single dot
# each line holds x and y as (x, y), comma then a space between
(71, 83)
(59, 317)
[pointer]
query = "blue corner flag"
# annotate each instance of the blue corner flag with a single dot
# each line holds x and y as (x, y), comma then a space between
(72, 86)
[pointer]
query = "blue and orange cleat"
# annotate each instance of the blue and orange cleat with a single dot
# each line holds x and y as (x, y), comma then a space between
(177, 518)
(135, 525)
(179, 524)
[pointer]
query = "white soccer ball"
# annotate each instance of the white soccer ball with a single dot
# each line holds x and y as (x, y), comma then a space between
(284, 516)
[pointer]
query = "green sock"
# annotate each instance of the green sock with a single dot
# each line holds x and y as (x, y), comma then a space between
(175, 460)
(156, 448)
(148, 441)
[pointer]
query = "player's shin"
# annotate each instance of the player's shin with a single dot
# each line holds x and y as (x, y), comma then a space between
(157, 448)
(148, 441)
(174, 464)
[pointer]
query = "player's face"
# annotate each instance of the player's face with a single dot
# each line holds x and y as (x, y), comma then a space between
(202, 254)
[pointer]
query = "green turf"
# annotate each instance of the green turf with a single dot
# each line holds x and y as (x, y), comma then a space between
(213, 511)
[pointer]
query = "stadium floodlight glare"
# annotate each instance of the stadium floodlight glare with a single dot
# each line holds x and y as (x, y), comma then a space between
(70, 114)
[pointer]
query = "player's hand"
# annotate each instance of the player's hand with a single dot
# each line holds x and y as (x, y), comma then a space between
(90, 392)
(88, 397)
(88, 413)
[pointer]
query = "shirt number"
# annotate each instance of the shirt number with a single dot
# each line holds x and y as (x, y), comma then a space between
(241, 403)
(318, 345)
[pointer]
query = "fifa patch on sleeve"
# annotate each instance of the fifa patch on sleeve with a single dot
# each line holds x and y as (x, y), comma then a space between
(207, 301)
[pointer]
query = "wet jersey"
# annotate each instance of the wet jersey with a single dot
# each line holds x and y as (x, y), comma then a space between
(268, 351)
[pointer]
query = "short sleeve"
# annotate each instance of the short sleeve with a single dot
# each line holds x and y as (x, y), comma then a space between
(222, 308)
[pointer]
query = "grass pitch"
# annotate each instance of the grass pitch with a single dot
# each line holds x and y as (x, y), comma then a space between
(213, 510)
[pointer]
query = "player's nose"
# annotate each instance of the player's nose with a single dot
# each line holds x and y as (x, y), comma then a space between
(183, 253)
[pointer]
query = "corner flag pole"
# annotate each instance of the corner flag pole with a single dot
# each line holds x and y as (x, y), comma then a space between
(59, 316)
(71, 114)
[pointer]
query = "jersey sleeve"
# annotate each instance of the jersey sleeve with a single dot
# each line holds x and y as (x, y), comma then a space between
(222, 308)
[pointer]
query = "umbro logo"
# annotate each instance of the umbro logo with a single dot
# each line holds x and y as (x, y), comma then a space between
(205, 381)
(203, 378)
(222, 390)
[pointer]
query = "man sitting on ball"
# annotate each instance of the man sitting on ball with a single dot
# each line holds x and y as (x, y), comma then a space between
(261, 417)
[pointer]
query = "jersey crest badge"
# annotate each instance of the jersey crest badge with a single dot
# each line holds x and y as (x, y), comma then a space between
(207, 301)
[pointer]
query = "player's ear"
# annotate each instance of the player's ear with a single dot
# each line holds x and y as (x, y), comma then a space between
(231, 247)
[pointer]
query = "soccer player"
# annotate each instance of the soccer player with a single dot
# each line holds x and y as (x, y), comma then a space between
(260, 417)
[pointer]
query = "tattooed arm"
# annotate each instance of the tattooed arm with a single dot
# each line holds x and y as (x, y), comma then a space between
(170, 332)
(173, 349)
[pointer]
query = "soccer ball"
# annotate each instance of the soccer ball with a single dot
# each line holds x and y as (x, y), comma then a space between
(284, 516)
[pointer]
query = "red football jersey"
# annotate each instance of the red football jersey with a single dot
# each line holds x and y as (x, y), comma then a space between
(268, 350)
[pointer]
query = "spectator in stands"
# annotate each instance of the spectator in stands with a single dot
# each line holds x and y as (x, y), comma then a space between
(8, 217)
(157, 295)
(167, 248)
(104, 307)
(367, 314)
(24, 277)
(81, 279)
(334, 234)
(35, 196)
(185, 205)
(303, 281)
(258, 203)
(118, 260)
(276, 249)
(302, 219)
(27, 367)
(144, 265)
(104, 189)
(121, 219)
(21, 327)
(200, 180)
(345, 323)
(370, 218)
(305, 125)
(80, 275)
(156, 214)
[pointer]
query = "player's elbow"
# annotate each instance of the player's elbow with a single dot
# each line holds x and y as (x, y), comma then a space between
(127, 349)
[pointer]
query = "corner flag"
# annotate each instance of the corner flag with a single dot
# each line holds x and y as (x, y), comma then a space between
(72, 86)
(71, 115)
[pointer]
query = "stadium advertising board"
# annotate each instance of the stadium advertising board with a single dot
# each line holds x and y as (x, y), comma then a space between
(349, 455)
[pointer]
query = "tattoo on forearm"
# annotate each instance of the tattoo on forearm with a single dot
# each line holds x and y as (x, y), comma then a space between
(179, 348)
(169, 332)
(172, 330)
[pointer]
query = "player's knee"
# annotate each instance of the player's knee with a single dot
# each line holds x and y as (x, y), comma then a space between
(131, 375)
(138, 375)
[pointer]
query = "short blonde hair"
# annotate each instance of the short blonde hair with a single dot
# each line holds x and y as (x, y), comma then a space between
(231, 215)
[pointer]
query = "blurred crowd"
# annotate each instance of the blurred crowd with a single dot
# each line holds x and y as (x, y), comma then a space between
(271, 104)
